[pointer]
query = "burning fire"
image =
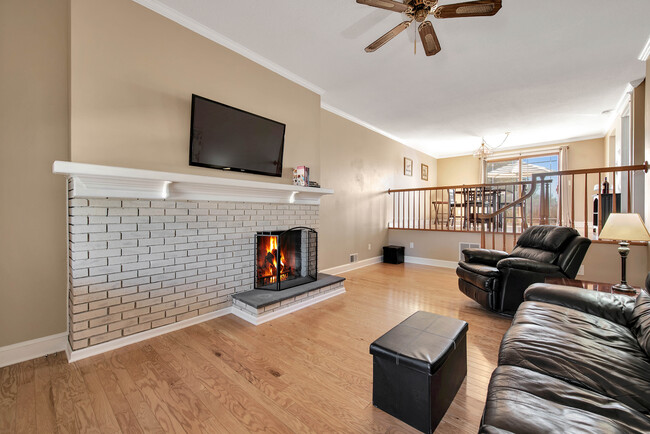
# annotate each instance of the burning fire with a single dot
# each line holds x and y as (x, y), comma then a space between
(267, 262)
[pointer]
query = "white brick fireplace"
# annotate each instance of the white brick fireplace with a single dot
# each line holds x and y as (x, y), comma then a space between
(154, 250)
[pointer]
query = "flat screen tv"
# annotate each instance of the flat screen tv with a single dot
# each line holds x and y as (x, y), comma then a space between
(223, 137)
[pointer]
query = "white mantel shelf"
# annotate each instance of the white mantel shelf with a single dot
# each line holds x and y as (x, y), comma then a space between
(92, 180)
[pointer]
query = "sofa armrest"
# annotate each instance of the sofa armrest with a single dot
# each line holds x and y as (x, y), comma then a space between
(612, 307)
(484, 256)
(529, 265)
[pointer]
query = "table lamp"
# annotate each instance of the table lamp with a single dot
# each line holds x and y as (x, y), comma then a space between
(624, 228)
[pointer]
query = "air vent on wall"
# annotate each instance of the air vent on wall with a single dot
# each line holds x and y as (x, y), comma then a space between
(462, 246)
(354, 257)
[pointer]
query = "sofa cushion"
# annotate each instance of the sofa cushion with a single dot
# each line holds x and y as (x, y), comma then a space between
(534, 254)
(581, 349)
(546, 237)
(571, 321)
(640, 321)
(484, 282)
(521, 400)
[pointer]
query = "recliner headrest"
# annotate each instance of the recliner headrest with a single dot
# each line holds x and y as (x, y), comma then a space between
(547, 237)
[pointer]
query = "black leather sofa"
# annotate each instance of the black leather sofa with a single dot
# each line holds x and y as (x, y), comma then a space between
(574, 360)
(497, 280)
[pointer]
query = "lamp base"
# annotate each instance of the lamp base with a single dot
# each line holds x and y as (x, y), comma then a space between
(624, 287)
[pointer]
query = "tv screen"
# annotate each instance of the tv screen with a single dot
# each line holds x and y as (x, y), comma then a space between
(223, 137)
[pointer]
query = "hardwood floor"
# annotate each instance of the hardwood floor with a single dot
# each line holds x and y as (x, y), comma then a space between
(306, 372)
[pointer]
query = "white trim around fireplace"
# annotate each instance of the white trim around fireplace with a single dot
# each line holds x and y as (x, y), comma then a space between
(93, 180)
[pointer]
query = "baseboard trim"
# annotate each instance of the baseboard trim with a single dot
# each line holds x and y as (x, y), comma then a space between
(74, 355)
(353, 266)
(430, 262)
(28, 350)
(257, 320)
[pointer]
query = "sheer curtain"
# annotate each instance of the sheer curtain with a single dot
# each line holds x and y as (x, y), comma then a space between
(566, 187)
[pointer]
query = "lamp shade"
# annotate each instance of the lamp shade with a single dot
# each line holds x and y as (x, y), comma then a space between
(624, 227)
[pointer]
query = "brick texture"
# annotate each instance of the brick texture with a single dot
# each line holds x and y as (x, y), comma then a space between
(139, 264)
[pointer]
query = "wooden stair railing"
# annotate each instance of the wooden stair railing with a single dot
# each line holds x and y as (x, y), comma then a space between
(507, 209)
(540, 179)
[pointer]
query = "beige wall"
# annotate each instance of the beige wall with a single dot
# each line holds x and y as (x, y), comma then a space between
(601, 264)
(34, 130)
(130, 98)
(458, 170)
(360, 165)
(466, 170)
(133, 74)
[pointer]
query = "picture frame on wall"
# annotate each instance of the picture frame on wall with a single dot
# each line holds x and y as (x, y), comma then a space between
(424, 172)
(408, 167)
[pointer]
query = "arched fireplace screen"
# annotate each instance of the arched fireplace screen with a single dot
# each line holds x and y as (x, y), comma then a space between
(286, 258)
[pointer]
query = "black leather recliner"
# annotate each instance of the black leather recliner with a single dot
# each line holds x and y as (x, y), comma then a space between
(497, 280)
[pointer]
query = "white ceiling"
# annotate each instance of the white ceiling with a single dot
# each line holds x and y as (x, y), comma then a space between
(544, 70)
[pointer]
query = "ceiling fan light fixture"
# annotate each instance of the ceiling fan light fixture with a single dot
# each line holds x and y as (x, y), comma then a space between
(419, 10)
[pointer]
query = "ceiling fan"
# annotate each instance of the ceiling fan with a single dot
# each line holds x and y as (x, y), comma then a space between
(419, 10)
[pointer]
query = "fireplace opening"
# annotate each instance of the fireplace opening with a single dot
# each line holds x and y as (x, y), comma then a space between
(285, 259)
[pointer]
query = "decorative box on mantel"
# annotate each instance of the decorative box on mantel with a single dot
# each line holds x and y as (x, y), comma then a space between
(150, 252)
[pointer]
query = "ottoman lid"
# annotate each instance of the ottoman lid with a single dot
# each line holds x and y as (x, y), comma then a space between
(423, 341)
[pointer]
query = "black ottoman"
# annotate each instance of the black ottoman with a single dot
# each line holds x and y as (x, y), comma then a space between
(417, 368)
(394, 254)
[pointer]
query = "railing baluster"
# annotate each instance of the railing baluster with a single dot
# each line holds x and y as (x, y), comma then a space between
(573, 201)
(505, 222)
(586, 215)
(559, 181)
(514, 227)
(408, 210)
(400, 211)
(466, 191)
(629, 192)
(600, 207)
(392, 198)
(613, 192)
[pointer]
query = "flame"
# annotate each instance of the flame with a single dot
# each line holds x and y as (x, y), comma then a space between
(267, 264)
(272, 248)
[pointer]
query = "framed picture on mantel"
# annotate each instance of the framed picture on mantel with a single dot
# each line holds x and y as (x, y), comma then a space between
(425, 173)
(408, 167)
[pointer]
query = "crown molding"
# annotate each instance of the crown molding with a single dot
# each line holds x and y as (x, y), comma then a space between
(645, 53)
(622, 103)
(220, 39)
(358, 121)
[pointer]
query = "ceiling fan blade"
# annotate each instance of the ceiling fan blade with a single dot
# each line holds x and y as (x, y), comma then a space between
(388, 36)
(429, 39)
(480, 8)
(389, 5)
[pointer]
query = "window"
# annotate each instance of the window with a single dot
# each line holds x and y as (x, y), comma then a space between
(522, 168)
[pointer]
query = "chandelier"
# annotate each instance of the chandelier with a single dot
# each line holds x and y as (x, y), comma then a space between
(485, 150)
